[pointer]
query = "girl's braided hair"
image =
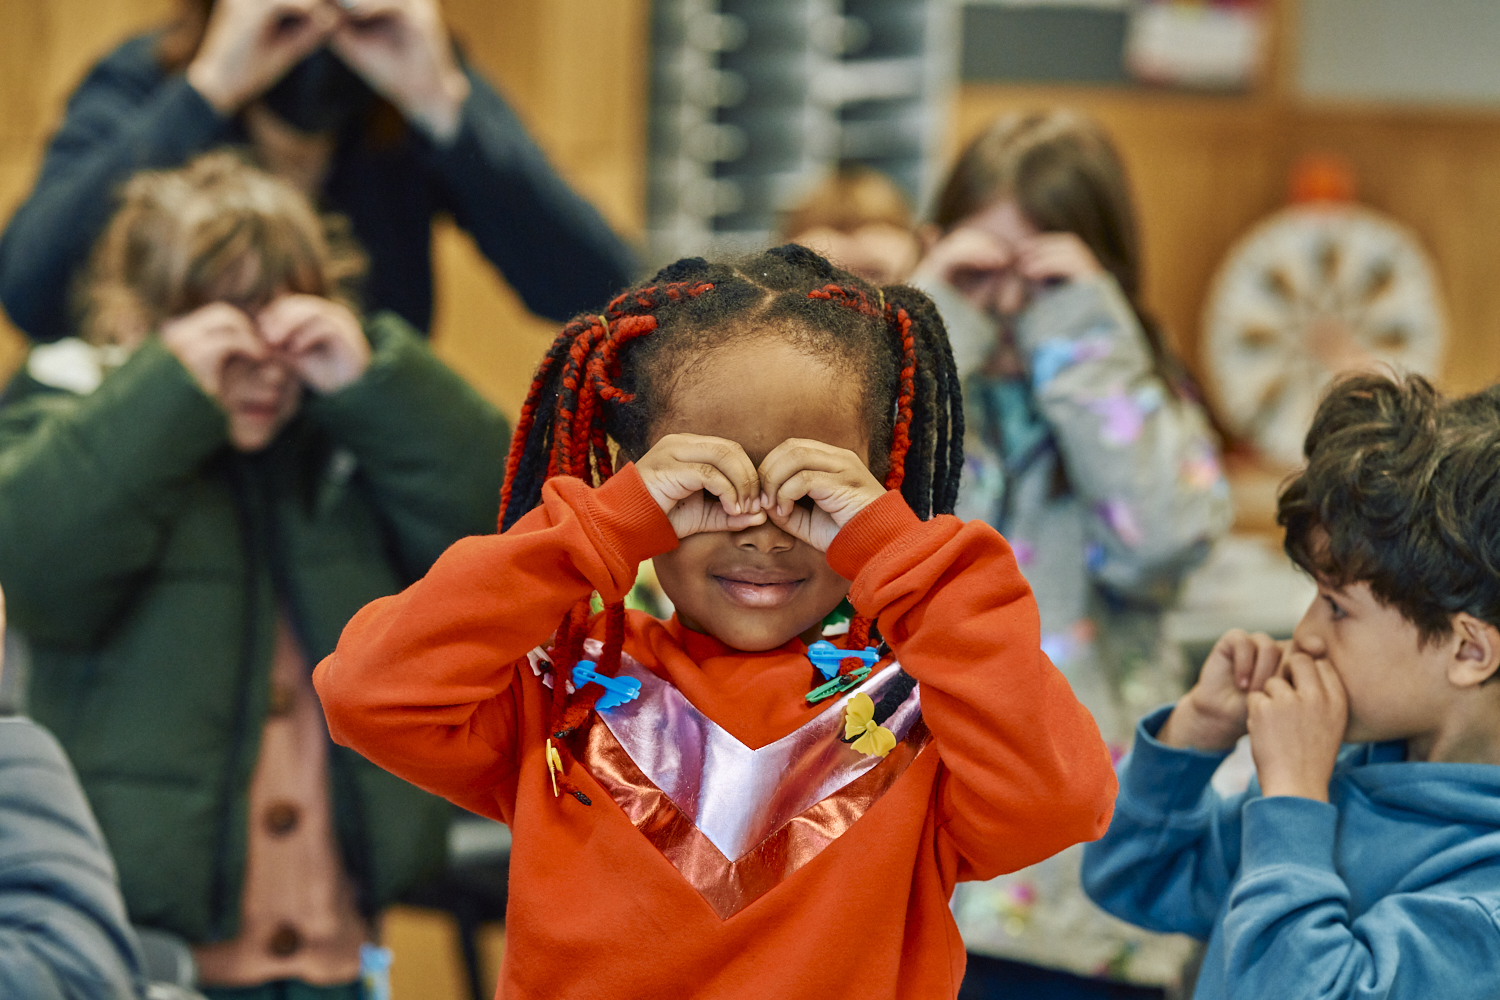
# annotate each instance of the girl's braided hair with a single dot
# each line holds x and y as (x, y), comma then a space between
(611, 376)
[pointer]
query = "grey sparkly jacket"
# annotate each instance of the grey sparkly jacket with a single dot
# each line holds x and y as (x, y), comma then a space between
(1108, 487)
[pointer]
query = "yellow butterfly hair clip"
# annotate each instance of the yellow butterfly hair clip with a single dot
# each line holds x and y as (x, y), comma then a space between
(869, 736)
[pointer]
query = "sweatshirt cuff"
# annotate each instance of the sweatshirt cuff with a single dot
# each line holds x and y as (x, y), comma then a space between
(1287, 830)
(1159, 779)
(626, 519)
(871, 530)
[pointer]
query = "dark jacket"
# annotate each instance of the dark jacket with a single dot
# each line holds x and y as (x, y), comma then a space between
(147, 561)
(63, 932)
(553, 247)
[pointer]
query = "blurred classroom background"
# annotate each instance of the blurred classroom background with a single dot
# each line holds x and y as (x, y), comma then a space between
(688, 121)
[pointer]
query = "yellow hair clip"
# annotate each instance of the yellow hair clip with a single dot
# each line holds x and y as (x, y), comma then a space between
(554, 765)
(874, 740)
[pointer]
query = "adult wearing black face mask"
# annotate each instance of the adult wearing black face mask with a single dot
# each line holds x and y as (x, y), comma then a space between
(364, 104)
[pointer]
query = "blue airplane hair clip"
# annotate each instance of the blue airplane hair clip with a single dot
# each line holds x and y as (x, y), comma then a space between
(827, 657)
(617, 690)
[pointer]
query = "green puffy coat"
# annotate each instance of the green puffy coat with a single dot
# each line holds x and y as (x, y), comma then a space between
(145, 560)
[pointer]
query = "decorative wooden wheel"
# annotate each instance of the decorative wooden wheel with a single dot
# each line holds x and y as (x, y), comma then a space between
(1312, 292)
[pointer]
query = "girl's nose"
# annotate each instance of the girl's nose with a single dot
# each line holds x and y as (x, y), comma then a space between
(764, 537)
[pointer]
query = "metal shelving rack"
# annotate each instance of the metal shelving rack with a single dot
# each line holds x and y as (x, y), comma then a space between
(752, 100)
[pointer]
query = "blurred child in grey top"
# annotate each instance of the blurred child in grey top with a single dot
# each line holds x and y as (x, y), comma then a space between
(1089, 450)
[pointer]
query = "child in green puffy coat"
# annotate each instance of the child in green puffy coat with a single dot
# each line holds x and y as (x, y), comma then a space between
(191, 507)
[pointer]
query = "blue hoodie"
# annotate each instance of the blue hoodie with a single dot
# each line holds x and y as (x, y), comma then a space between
(1391, 889)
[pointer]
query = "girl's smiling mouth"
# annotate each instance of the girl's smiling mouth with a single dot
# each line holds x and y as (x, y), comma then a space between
(759, 589)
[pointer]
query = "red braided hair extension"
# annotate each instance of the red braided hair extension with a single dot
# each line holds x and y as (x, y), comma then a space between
(585, 361)
(901, 432)
(897, 319)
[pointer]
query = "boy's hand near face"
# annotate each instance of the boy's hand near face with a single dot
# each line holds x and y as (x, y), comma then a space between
(1296, 726)
(1215, 713)
(684, 473)
(320, 339)
(837, 482)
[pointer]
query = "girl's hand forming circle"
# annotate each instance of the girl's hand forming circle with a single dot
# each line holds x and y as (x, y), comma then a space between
(1057, 257)
(838, 483)
(970, 261)
(702, 483)
(321, 340)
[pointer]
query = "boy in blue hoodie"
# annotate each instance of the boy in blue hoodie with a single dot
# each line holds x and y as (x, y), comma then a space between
(1371, 871)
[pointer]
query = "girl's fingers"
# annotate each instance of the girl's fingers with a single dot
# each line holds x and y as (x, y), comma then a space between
(785, 496)
(736, 482)
(738, 522)
(789, 472)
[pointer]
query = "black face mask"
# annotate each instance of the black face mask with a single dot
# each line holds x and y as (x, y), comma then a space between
(319, 94)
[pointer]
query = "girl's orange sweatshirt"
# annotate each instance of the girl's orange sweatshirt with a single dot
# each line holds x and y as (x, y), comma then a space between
(734, 846)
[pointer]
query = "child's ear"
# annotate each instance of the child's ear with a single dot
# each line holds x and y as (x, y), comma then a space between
(1477, 655)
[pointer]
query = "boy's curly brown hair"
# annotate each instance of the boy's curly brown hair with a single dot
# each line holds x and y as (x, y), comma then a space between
(1402, 491)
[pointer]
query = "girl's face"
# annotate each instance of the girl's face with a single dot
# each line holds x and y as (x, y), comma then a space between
(999, 288)
(758, 588)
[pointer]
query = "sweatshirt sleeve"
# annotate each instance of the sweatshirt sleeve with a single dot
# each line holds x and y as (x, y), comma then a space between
(63, 929)
(422, 682)
(1173, 847)
(1288, 931)
(1025, 772)
(125, 116)
(553, 247)
(1141, 458)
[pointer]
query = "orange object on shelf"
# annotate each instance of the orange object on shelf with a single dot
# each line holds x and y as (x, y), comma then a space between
(1321, 177)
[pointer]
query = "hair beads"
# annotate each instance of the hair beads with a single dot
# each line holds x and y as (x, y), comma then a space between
(608, 377)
